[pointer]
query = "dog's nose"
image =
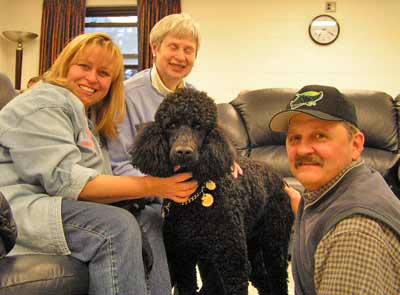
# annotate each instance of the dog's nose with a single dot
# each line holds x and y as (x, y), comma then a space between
(183, 151)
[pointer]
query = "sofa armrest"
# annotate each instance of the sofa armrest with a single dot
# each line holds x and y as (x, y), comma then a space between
(232, 124)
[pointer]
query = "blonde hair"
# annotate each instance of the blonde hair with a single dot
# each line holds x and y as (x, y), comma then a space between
(111, 109)
(178, 25)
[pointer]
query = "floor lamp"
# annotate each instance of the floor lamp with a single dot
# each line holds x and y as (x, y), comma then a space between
(19, 37)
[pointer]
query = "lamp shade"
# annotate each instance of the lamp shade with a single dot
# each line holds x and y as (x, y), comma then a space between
(19, 36)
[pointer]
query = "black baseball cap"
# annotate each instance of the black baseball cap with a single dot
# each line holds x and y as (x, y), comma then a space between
(323, 102)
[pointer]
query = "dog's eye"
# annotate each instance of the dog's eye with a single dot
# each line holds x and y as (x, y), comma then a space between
(196, 126)
(171, 126)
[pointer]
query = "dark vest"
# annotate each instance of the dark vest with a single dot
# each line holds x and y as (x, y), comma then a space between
(360, 191)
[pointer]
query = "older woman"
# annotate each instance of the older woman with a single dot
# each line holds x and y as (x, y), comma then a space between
(175, 41)
(57, 179)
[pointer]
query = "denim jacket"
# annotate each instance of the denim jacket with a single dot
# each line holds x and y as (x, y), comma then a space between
(47, 152)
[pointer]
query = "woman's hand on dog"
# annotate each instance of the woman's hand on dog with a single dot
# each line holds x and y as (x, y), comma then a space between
(177, 188)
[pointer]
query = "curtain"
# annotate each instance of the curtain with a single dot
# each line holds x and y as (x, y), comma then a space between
(62, 20)
(150, 12)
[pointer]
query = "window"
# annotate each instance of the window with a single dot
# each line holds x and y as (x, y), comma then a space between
(121, 24)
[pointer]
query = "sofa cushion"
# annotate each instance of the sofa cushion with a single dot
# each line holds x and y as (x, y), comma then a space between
(233, 126)
(43, 274)
(7, 91)
(379, 159)
(377, 118)
(256, 109)
(275, 156)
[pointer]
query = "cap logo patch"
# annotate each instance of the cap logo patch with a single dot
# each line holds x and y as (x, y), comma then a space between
(308, 98)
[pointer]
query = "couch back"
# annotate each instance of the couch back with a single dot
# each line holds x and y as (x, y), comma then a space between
(246, 118)
(7, 91)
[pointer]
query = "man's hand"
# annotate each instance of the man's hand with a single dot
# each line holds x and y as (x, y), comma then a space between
(236, 170)
(294, 198)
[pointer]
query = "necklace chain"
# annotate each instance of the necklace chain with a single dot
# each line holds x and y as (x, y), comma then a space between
(193, 197)
(166, 208)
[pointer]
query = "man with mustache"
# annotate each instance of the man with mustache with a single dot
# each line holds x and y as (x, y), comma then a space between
(347, 229)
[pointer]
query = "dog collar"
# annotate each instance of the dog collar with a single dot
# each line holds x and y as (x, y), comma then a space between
(207, 199)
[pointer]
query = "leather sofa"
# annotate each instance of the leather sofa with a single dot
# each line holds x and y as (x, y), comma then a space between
(245, 120)
(43, 275)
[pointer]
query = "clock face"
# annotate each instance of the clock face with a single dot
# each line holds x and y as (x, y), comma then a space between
(324, 29)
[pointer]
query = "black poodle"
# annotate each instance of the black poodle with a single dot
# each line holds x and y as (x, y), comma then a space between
(239, 226)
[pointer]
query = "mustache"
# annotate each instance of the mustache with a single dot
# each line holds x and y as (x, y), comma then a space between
(308, 160)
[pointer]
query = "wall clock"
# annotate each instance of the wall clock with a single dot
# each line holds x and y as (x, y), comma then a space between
(324, 29)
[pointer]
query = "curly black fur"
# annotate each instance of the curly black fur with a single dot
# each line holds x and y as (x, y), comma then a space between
(245, 233)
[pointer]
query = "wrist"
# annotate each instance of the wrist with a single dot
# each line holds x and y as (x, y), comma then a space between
(149, 186)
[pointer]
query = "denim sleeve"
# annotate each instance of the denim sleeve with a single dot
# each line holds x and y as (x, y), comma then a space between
(43, 149)
(118, 148)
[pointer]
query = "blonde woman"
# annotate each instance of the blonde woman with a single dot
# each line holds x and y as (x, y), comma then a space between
(57, 179)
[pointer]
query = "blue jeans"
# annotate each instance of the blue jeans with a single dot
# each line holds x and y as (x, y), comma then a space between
(151, 222)
(108, 238)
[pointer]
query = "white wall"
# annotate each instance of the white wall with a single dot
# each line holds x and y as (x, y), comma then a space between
(265, 43)
(260, 43)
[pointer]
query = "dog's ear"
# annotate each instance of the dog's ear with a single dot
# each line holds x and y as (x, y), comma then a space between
(150, 152)
(216, 158)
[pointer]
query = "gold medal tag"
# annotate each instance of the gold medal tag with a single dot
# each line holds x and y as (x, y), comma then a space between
(210, 185)
(207, 200)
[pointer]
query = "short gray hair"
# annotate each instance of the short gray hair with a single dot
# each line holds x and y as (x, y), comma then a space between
(178, 25)
(351, 129)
